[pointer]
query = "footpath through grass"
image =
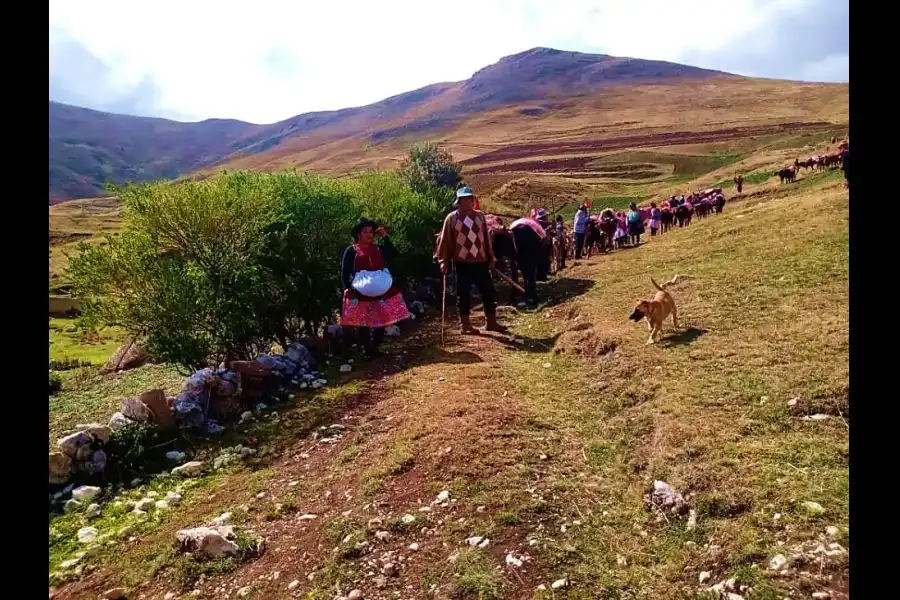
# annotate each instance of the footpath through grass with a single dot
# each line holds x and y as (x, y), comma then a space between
(548, 454)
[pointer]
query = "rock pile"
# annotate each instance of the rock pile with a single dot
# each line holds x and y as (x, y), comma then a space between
(208, 396)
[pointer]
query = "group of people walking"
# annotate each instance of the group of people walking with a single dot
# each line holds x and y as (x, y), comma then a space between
(471, 244)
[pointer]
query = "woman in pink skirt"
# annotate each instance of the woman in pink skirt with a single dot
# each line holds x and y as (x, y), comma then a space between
(369, 314)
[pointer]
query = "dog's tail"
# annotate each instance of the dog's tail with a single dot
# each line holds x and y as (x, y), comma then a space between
(663, 287)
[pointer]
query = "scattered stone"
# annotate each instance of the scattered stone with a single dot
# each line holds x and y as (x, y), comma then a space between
(408, 519)
(559, 584)
(93, 511)
(189, 469)
(162, 505)
(692, 520)
(822, 595)
(172, 498)
(246, 417)
(60, 467)
(144, 504)
(390, 570)
(414, 547)
(664, 497)
(243, 592)
(513, 560)
(444, 496)
(118, 421)
(732, 596)
(374, 524)
(792, 402)
(85, 493)
(293, 585)
(778, 562)
(621, 561)
(346, 368)
(211, 541)
(86, 535)
(115, 594)
(832, 531)
(355, 595)
(176, 456)
(475, 540)
(382, 536)
(170, 596)
(222, 519)
(307, 517)
(817, 417)
(813, 508)
(136, 410)
(704, 577)
(547, 366)
(152, 494)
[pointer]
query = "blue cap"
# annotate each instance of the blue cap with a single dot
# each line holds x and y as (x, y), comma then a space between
(464, 191)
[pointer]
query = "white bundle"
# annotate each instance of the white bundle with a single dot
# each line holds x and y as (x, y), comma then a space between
(372, 283)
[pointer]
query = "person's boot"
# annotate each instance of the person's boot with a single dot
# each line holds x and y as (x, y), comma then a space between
(465, 326)
(492, 324)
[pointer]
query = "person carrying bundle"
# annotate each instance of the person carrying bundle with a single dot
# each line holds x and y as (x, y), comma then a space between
(464, 243)
(371, 300)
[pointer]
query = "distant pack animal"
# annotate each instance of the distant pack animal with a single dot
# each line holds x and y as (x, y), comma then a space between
(666, 219)
(683, 215)
(787, 175)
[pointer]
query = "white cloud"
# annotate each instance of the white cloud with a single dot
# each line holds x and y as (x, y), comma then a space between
(267, 60)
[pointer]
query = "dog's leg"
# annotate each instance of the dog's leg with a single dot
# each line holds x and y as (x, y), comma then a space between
(675, 315)
(649, 325)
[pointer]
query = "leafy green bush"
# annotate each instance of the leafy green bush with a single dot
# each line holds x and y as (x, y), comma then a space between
(55, 382)
(219, 269)
(427, 165)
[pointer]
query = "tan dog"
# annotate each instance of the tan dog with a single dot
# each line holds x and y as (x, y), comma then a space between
(656, 310)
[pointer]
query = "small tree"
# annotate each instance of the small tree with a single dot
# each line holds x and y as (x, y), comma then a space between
(428, 165)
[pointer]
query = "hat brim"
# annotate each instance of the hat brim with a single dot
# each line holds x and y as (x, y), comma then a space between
(357, 229)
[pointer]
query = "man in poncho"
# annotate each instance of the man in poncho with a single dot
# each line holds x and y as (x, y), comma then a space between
(465, 244)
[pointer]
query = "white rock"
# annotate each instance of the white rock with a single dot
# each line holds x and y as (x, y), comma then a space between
(817, 417)
(189, 469)
(172, 498)
(621, 561)
(246, 416)
(813, 508)
(293, 585)
(704, 577)
(484, 543)
(114, 594)
(821, 595)
(144, 504)
(68, 564)
(170, 596)
(778, 562)
(211, 541)
(692, 520)
(243, 592)
(541, 587)
(442, 497)
(162, 505)
(407, 519)
(346, 368)
(355, 595)
(547, 365)
(307, 517)
(513, 560)
(414, 547)
(152, 494)
(118, 421)
(731, 596)
(86, 535)
(70, 505)
(382, 536)
(223, 519)
(832, 531)
(474, 540)
(85, 493)
(176, 456)
(559, 584)
(93, 511)
(390, 569)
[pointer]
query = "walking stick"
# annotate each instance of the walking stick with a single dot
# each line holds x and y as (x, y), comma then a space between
(503, 276)
(443, 308)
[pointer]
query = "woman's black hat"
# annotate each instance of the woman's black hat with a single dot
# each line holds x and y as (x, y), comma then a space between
(355, 231)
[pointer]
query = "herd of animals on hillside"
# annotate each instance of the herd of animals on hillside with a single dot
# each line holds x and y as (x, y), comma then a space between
(820, 162)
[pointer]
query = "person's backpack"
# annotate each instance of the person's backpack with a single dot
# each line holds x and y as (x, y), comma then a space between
(634, 217)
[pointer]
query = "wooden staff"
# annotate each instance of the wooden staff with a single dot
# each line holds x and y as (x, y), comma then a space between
(503, 276)
(443, 308)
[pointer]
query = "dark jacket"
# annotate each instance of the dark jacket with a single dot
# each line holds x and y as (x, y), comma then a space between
(348, 268)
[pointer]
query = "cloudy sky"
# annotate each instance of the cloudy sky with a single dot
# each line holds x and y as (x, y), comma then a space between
(267, 60)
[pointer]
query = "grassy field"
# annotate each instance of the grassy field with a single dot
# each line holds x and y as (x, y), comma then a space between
(547, 447)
